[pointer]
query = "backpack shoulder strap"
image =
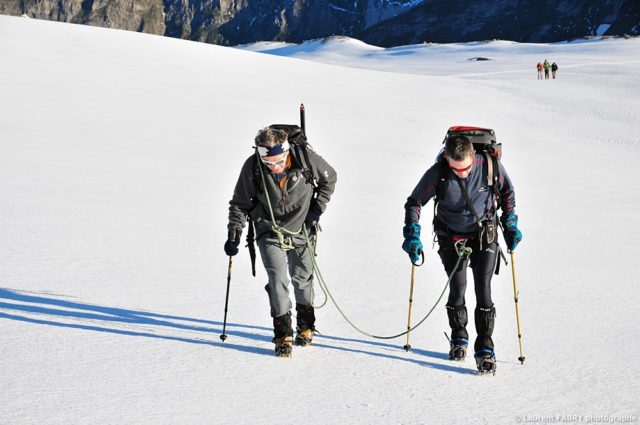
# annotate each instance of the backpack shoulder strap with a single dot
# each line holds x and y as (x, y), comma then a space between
(443, 181)
(493, 176)
(441, 185)
(490, 172)
(257, 180)
(301, 154)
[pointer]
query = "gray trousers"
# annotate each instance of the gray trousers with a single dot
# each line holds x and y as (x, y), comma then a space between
(279, 264)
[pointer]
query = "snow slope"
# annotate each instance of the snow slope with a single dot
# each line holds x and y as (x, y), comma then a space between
(118, 155)
(477, 59)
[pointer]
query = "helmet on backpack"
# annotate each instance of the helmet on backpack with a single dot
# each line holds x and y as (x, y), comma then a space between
(482, 139)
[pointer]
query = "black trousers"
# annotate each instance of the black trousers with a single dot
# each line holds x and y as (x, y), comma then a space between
(483, 264)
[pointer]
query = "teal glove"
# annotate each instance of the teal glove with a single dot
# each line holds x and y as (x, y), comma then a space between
(412, 244)
(512, 236)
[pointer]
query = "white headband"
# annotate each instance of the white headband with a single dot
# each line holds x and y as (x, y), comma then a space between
(274, 150)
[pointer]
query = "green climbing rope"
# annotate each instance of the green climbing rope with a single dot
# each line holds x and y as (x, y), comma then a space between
(463, 253)
(281, 233)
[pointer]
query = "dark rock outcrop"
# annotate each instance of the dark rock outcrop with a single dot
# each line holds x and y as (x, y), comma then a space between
(133, 15)
(227, 22)
(232, 22)
(539, 21)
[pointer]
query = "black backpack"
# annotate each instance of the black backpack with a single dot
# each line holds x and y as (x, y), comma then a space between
(485, 143)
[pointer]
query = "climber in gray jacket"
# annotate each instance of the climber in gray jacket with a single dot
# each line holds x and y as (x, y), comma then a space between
(279, 183)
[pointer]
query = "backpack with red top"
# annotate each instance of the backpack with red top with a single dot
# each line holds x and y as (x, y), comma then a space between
(484, 142)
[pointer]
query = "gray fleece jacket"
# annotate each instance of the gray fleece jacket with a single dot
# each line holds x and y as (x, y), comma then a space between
(290, 205)
(453, 210)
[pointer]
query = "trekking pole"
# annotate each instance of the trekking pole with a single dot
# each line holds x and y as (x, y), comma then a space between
(223, 337)
(302, 123)
(407, 346)
(515, 298)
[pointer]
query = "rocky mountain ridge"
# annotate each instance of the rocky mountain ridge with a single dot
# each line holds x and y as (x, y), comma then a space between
(378, 22)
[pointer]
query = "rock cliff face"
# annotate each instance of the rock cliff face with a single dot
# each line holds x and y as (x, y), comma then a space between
(379, 22)
(133, 15)
(234, 22)
(244, 21)
(540, 21)
(227, 22)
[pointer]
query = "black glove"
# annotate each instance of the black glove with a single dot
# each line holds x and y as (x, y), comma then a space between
(312, 219)
(232, 243)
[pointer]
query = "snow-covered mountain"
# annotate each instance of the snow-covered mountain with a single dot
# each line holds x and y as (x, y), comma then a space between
(119, 153)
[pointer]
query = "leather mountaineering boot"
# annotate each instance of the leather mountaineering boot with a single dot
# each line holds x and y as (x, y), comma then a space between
(284, 345)
(304, 337)
(283, 335)
(305, 322)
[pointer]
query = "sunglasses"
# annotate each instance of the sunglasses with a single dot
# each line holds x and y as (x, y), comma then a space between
(274, 163)
(461, 170)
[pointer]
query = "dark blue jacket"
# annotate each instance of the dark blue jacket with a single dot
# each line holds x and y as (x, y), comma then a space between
(453, 210)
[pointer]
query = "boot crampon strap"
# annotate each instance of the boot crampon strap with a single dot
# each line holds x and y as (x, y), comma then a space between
(486, 361)
(283, 346)
(458, 349)
(304, 337)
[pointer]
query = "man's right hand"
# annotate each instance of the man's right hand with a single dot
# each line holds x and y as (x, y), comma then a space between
(512, 235)
(232, 243)
(412, 244)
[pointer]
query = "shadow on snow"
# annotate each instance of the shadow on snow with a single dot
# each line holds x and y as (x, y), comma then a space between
(49, 311)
